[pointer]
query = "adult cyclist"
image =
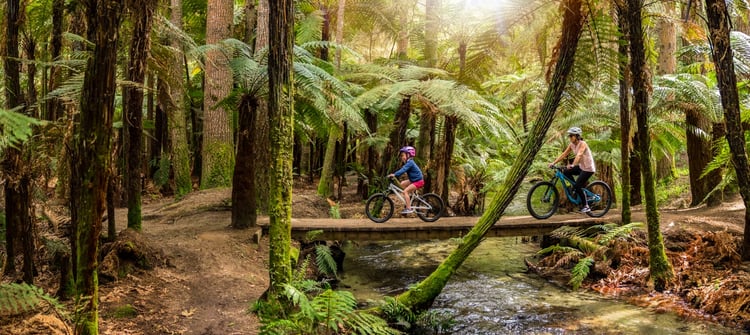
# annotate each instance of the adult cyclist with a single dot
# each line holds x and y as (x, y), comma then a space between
(582, 166)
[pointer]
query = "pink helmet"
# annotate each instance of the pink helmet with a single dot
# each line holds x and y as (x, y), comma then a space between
(409, 150)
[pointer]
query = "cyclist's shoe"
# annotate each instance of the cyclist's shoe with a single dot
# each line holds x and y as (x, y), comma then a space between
(585, 209)
(407, 211)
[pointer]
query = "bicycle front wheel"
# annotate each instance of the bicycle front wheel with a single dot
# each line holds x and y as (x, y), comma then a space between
(428, 207)
(599, 198)
(379, 208)
(542, 200)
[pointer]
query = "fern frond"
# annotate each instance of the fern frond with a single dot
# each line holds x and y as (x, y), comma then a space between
(618, 232)
(324, 260)
(580, 272)
(332, 307)
(361, 322)
(19, 298)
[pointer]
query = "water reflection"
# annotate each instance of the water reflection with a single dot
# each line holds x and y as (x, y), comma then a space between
(491, 294)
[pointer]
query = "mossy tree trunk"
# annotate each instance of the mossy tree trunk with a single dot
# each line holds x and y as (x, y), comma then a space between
(91, 155)
(422, 295)
(325, 184)
(261, 149)
(661, 269)
(281, 111)
(218, 142)
(718, 25)
(176, 115)
(142, 13)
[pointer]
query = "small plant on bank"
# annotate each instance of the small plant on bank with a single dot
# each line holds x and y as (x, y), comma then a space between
(19, 298)
(583, 247)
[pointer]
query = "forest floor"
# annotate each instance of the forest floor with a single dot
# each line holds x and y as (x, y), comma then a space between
(207, 275)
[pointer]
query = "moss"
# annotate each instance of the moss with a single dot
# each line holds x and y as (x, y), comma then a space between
(124, 311)
(218, 165)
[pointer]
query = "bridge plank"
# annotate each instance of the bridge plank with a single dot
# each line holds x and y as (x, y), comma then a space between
(445, 228)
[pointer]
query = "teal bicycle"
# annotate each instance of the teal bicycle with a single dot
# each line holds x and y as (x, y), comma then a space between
(543, 199)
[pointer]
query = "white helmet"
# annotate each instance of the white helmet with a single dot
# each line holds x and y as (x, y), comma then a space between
(575, 131)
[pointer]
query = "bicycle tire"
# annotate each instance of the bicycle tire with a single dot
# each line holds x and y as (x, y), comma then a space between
(604, 203)
(542, 200)
(379, 208)
(432, 214)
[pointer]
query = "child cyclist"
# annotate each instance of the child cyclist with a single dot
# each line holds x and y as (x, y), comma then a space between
(415, 180)
(583, 164)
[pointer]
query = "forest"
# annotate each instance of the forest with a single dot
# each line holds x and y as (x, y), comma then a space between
(120, 116)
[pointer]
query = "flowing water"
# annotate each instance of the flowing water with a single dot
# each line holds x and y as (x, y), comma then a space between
(491, 294)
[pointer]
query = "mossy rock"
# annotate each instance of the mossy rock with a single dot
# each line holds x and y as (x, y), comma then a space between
(131, 251)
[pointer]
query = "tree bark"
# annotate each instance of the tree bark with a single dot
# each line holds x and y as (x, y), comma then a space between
(90, 158)
(423, 294)
(261, 150)
(244, 206)
(140, 44)
(718, 26)
(54, 108)
(176, 115)
(218, 141)
(281, 111)
(625, 115)
(700, 153)
(397, 137)
(661, 269)
(339, 32)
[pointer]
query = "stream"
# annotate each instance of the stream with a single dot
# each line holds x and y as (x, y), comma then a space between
(492, 294)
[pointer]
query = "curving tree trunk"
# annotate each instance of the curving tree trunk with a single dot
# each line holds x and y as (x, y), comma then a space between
(218, 145)
(423, 294)
(90, 156)
(661, 269)
(281, 112)
(718, 26)
(140, 44)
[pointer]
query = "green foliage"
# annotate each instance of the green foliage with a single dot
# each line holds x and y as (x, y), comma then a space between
(397, 313)
(15, 128)
(438, 322)
(580, 272)
(124, 311)
(161, 176)
(324, 260)
(19, 298)
(334, 211)
(331, 312)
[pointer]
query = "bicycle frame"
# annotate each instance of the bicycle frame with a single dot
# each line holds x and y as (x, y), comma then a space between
(398, 191)
(568, 187)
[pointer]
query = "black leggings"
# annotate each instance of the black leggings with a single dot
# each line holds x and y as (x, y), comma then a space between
(583, 178)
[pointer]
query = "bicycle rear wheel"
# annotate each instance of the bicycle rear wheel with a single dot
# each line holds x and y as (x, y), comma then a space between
(429, 207)
(599, 197)
(542, 200)
(379, 208)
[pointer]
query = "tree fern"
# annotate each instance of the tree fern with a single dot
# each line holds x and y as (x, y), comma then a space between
(324, 260)
(19, 298)
(619, 232)
(580, 272)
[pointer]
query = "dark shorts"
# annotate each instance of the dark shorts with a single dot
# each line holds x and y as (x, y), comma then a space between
(418, 184)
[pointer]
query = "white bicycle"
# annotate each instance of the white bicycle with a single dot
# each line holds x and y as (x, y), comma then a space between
(379, 208)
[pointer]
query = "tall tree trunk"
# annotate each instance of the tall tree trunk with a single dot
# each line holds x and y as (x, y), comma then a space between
(90, 158)
(54, 108)
(446, 153)
(423, 294)
(142, 14)
(180, 148)
(371, 155)
(625, 115)
(261, 150)
(244, 206)
(281, 112)
(12, 163)
(218, 146)
(251, 20)
(661, 269)
(397, 137)
(666, 64)
(339, 32)
(700, 153)
(428, 119)
(325, 184)
(718, 26)
(636, 198)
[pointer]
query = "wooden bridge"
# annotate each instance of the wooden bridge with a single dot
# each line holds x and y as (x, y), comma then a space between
(445, 228)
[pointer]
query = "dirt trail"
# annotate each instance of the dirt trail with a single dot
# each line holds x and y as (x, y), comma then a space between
(213, 273)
